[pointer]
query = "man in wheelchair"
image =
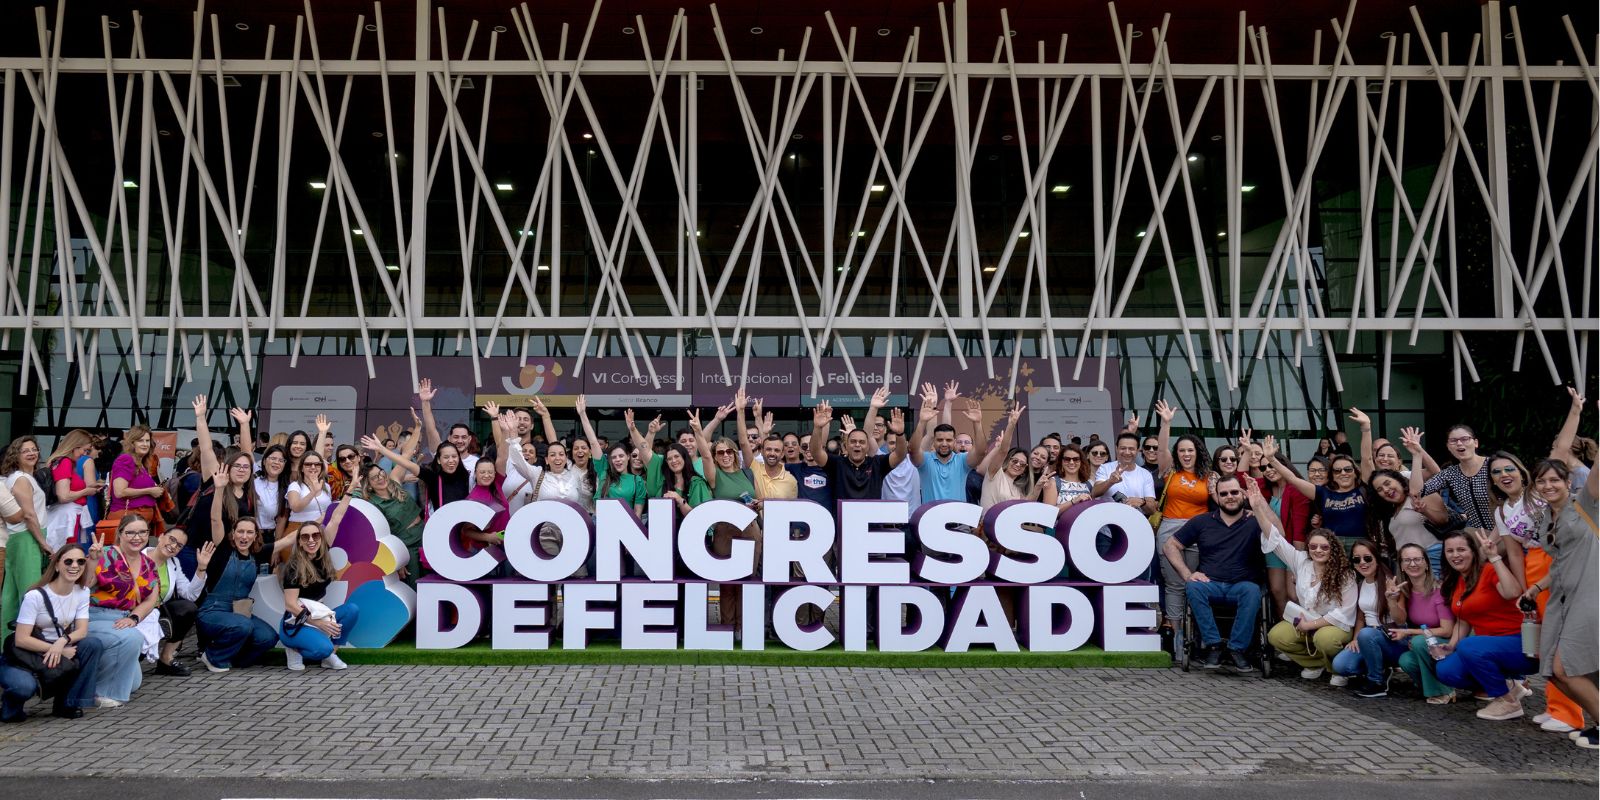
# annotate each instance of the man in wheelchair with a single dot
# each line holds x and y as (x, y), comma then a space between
(1231, 570)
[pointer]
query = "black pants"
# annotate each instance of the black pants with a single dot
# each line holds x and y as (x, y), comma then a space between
(180, 614)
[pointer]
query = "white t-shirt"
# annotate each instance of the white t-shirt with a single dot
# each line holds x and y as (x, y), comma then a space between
(266, 503)
(904, 482)
(1514, 519)
(1367, 603)
(39, 508)
(314, 510)
(68, 609)
(1136, 482)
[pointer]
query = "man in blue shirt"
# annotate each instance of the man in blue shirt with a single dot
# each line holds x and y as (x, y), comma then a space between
(1231, 568)
(944, 474)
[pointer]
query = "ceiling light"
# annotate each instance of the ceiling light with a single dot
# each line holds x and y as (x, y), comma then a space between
(1060, 188)
(544, 267)
(757, 30)
(392, 267)
(377, 134)
(242, 26)
(499, 29)
(1022, 235)
(861, 233)
(1222, 234)
(164, 132)
(588, 135)
(1193, 159)
(883, 31)
(503, 187)
(319, 185)
(371, 28)
(797, 137)
(878, 187)
(130, 185)
(394, 155)
(357, 231)
(1249, 187)
(1139, 235)
(990, 268)
(1005, 138)
(628, 30)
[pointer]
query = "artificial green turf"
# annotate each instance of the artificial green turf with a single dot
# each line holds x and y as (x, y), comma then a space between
(481, 654)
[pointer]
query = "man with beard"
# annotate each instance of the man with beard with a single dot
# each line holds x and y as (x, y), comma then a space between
(1231, 569)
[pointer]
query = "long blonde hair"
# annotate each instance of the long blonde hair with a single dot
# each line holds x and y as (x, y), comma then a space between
(74, 439)
(305, 568)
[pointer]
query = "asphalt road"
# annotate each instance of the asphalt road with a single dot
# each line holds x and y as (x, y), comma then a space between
(154, 787)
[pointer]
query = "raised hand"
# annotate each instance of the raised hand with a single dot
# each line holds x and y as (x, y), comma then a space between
(740, 399)
(764, 425)
(951, 391)
(220, 479)
(492, 409)
(822, 415)
(1269, 448)
(199, 404)
(1411, 440)
(847, 423)
(539, 407)
(202, 557)
(880, 397)
(627, 418)
(1396, 584)
(508, 423)
(756, 409)
(581, 403)
(1165, 411)
(425, 391)
(654, 427)
(371, 443)
(1133, 422)
(973, 413)
(1488, 541)
(897, 421)
(323, 423)
(1016, 412)
(1361, 419)
(1244, 437)
(928, 390)
(239, 415)
(694, 421)
(928, 412)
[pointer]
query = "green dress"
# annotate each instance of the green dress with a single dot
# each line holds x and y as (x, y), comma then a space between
(405, 523)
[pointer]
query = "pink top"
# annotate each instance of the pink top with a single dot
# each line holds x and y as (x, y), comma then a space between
(65, 471)
(495, 500)
(121, 585)
(1428, 609)
(126, 468)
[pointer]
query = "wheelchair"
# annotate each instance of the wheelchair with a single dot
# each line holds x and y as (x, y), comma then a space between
(1260, 651)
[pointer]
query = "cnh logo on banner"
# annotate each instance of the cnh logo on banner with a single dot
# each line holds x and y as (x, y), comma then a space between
(859, 546)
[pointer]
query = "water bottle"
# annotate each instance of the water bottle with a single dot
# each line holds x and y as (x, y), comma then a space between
(1432, 642)
(1530, 628)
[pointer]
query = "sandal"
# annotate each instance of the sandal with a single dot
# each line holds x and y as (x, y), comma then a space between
(1442, 699)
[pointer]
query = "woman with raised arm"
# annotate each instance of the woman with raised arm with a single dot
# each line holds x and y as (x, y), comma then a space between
(68, 520)
(1342, 503)
(1465, 483)
(237, 495)
(487, 491)
(1315, 629)
(1484, 654)
(311, 630)
(309, 497)
(233, 639)
(1577, 452)
(271, 486)
(1294, 510)
(557, 479)
(382, 489)
(177, 593)
(1183, 471)
(1006, 470)
(728, 481)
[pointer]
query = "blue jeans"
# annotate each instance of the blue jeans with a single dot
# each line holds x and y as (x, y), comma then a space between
(234, 639)
(1246, 600)
(120, 673)
(314, 645)
(1486, 663)
(1435, 557)
(1376, 653)
(18, 684)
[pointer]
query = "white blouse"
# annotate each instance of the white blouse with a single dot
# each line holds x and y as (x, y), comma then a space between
(266, 503)
(314, 510)
(1308, 584)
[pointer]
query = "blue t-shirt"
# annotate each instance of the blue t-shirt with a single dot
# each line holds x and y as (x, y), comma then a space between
(1344, 513)
(813, 482)
(944, 480)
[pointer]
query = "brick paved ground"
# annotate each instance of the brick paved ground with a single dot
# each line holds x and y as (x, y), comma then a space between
(780, 723)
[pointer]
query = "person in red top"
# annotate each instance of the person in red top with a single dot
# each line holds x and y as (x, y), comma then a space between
(1295, 511)
(1485, 648)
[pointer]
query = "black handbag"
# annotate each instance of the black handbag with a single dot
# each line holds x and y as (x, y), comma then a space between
(48, 677)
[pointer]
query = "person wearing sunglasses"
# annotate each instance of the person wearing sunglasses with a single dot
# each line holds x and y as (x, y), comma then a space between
(52, 628)
(728, 481)
(1319, 625)
(309, 496)
(1371, 653)
(1343, 501)
(310, 631)
(1229, 569)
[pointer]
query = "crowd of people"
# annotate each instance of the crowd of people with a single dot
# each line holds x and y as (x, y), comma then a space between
(1369, 559)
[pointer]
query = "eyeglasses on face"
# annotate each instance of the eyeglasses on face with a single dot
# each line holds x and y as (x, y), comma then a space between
(1318, 547)
(1363, 559)
(1413, 561)
(1343, 470)
(722, 451)
(1461, 439)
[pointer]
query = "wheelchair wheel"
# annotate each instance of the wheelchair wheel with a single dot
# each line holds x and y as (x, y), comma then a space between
(1267, 653)
(1182, 640)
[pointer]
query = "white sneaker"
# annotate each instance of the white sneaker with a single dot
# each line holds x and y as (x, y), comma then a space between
(1339, 680)
(1311, 673)
(106, 702)
(1540, 719)
(1284, 657)
(334, 662)
(296, 661)
(1554, 725)
(210, 666)
(1519, 688)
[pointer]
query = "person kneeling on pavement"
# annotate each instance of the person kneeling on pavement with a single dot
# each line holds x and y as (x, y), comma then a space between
(232, 639)
(1369, 656)
(312, 631)
(1230, 569)
(51, 652)
(1314, 630)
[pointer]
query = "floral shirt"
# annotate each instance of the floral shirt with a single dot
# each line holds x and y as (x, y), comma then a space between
(121, 585)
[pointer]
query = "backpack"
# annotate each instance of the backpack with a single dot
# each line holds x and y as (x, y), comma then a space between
(45, 477)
